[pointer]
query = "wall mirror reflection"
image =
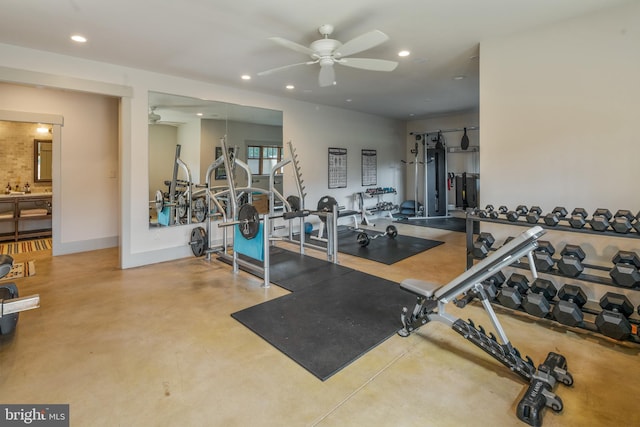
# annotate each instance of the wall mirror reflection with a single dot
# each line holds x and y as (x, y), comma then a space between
(42, 160)
(184, 134)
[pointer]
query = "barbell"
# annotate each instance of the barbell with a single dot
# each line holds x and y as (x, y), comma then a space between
(249, 220)
(364, 239)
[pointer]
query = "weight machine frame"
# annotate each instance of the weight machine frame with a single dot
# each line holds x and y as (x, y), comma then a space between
(229, 215)
(423, 136)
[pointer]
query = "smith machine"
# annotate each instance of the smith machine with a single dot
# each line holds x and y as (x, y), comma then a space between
(253, 233)
(436, 178)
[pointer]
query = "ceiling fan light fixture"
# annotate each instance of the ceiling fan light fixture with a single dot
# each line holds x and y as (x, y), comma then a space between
(326, 52)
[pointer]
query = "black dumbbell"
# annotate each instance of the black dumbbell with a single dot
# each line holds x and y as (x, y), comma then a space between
(636, 223)
(538, 301)
(578, 218)
(503, 210)
(613, 320)
(622, 220)
(514, 215)
(492, 284)
(491, 211)
(625, 271)
(571, 262)
(568, 310)
(513, 291)
(553, 218)
(600, 219)
(482, 245)
(543, 256)
(534, 215)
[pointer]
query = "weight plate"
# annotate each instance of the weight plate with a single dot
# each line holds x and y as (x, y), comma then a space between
(363, 239)
(326, 204)
(392, 231)
(198, 241)
(294, 202)
(182, 206)
(159, 201)
(200, 209)
(249, 221)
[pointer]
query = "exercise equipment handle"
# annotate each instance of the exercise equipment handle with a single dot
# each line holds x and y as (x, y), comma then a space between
(16, 305)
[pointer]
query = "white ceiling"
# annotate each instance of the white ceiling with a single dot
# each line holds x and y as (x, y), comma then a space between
(218, 40)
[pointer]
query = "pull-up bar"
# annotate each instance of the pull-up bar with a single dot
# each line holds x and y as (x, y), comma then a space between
(435, 132)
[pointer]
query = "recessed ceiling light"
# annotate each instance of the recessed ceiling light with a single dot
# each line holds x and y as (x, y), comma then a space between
(348, 99)
(78, 38)
(199, 114)
(404, 53)
(290, 87)
(458, 77)
(411, 114)
(246, 77)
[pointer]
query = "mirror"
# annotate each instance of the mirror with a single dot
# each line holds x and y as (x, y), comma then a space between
(42, 155)
(184, 133)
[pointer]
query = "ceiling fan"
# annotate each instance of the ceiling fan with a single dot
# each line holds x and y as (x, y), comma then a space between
(327, 52)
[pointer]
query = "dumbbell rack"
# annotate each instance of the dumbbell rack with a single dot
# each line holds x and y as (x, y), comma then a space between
(589, 308)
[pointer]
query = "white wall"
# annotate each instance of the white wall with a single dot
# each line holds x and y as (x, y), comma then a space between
(311, 128)
(559, 110)
(162, 153)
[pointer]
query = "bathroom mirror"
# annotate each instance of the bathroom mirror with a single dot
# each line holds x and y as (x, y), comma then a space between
(42, 154)
(190, 129)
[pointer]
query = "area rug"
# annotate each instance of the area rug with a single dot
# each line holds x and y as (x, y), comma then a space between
(21, 269)
(26, 246)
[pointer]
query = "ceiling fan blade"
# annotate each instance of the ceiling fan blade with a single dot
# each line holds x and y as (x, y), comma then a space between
(369, 64)
(327, 76)
(273, 70)
(292, 45)
(361, 43)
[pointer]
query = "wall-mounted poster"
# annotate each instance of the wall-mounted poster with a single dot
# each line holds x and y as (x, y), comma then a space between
(369, 167)
(337, 168)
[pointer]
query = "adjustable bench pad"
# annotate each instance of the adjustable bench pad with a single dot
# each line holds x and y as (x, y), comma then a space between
(420, 287)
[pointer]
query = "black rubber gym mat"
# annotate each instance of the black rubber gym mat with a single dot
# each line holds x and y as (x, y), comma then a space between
(382, 249)
(294, 272)
(327, 326)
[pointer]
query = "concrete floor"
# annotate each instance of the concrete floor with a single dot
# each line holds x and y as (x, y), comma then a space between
(156, 346)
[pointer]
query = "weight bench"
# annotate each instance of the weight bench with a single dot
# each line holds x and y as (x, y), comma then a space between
(432, 299)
